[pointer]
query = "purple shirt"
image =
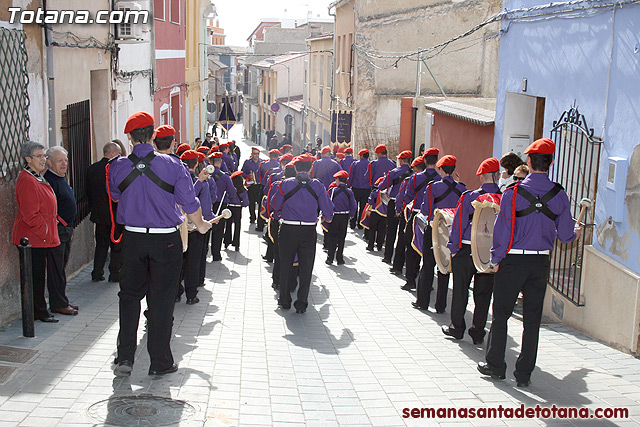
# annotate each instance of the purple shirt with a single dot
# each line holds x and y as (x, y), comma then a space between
(535, 232)
(268, 178)
(144, 204)
(250, 166)
(464, 215)
(358, 174)
(437, 189)
(302, 206)
(347, 162)
(265, 167)
(393, 180)
(343, 200)
(378, 168)
(203, 194)
(228, 160)
(239, 199)
(417, 187)
(223, 184)
(213, 190)
(324, 169)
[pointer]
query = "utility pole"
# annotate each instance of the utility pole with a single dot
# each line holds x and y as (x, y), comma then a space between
(419, 71)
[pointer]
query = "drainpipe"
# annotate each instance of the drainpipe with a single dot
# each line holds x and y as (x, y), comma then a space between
(48, 38)
(413, 131)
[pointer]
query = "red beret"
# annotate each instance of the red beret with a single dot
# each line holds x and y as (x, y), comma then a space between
(201, 157)
(379, 180)
(286, 146)
(348, 150)
(306, 157)
(332, 185)
(291, 164)
(406, 154)
(138, 120)
(285, 157)
(165, 130)
(447, 160)
(224, 144)
(541, 146)
(183, 147)
(340, 155)
(417, 161)
(189, 154)
(363, 152)
(433, 151)
(341, 174)
(203, 149)
(236, 173)
(325, 150)
(216, 155)
(488, 166)
(381, 148)
(214, 148)
(274, 151)
(336, 148)
(254, 148)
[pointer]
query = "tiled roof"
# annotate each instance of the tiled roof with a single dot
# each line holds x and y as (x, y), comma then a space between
(477, 115)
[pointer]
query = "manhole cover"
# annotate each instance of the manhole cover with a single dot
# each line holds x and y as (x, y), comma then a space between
(141, 410)
(15, 354)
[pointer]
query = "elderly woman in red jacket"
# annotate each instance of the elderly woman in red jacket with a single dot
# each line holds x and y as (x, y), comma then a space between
(36, 220)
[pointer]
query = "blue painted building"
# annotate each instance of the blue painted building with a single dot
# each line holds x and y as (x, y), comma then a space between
(570, 71)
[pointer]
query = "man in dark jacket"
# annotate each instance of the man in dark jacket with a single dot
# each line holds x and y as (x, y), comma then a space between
(100, 215)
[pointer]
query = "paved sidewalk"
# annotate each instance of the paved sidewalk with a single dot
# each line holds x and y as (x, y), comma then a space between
(358, 356)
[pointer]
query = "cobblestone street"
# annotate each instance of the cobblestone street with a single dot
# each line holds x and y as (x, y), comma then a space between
(359, 356)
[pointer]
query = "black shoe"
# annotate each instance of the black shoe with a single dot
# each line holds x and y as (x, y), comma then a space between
(378, 248)
(178, 298)
(284, 307)
(169, 370)
(123, 368)
(395, 271)
(523, 384)
(485, 369)
(191, 301)
(269, 260)
(386, 261)
(370, 248)
(451, 332)
(237, 249)
(98, 279)
(477, 337)
(252, 221)
(341, 262)
(408, 286)
(217, 258)
(419, 307)
(114, 279)
(48, 319)
(328, 261)
(440, 311)
(259, 229)
(301, 310)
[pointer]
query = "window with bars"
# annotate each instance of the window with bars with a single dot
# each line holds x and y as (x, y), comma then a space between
(14, 102)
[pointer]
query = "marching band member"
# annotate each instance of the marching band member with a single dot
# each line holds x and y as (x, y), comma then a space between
(377, 222)
(235, 205)
(344, 208)
(250, 174)
(348, 159)
(359, 183)
(227, 158)
(324, 168)
(273, 176)
(381, 166)
(439, 194)
(462, 264)
(391, 185)
(297, 201)
(263, 170)
(148, 209)
(533, 212)
(226, 192)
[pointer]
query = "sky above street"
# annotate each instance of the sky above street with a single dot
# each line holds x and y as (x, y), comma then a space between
(240, 17)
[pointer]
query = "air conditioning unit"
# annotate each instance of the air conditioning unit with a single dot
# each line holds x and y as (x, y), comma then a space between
(134, 29)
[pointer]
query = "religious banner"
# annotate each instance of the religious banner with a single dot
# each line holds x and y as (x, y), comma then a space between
(227, 119)
(341, 127)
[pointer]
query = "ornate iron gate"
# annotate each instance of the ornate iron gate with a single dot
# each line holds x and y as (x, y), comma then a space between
(576, 169)
(76, 133)
(14, 102)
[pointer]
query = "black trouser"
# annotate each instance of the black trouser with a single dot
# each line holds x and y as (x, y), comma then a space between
(57, 259)
(361, 195)
(377, 229)
(463, 270)
(217, 234)
(336, 235)
(398, 257)
(103, 243)
(38, 269)
(425, 280)
(151, 266)
(300, 239)
(518, 273)
(274, 231)
(192, 264)
(203, 258)
(411, 256)
(232, 237)
(272, 251)
(255, 197)
(260, 221)
(392, 230)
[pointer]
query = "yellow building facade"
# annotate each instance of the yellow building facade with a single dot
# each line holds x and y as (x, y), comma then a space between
(319, 90)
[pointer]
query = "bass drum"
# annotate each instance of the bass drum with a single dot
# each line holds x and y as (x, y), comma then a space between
(486, 209)
(440, 227)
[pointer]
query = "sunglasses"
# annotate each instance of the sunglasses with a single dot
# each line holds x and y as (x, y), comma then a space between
(517, 178)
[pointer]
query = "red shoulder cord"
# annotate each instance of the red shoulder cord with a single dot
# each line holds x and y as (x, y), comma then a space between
(429, 195)
(113, 223)
(459, 211)
(513, 215)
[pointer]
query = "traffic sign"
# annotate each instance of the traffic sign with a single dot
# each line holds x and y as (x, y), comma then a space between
(275, 107)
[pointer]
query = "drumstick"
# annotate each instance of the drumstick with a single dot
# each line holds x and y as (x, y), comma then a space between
(585, 203)
(221, 200)
(226, 214)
